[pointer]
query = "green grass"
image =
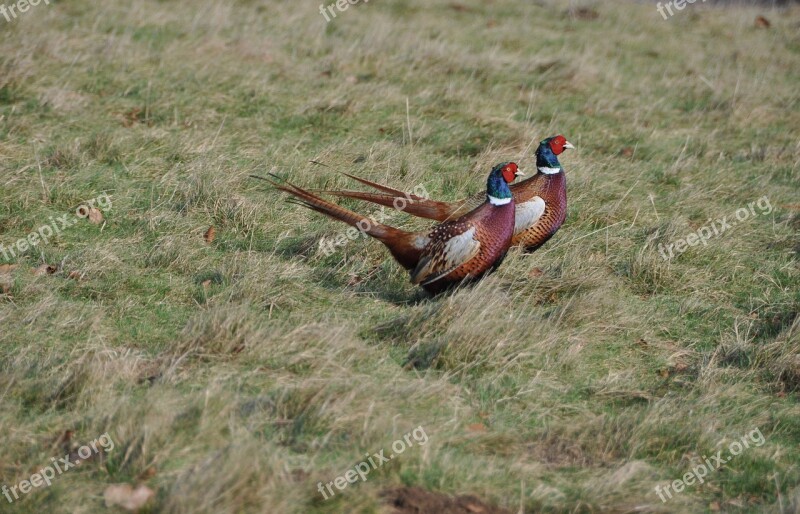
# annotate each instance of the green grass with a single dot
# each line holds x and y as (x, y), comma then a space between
(247, 370)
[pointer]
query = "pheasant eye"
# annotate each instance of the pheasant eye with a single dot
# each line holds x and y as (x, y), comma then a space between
(509, 172)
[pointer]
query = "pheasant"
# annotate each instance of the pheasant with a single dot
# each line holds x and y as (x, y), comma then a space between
(541, 199)
(458, 250)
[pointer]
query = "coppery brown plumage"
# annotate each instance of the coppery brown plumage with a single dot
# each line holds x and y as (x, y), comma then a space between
(461, 249)
(541, 200)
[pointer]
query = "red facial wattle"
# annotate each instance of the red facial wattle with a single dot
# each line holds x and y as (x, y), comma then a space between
(557, 144)
(510, 173)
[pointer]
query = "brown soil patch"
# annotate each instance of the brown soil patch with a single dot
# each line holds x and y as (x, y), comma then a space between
(414, 500)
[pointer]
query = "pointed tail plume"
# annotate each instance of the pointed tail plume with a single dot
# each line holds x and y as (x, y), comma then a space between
(398, 241)
(396, 199)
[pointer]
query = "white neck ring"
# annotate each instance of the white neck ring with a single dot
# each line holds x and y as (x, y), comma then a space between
(548, 171)
(498, 201)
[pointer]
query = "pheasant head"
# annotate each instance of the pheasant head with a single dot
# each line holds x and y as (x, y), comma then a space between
(497, 191)
(548, 152)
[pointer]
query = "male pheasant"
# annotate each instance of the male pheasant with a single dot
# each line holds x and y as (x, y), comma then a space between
(455, 251)
(541, 200)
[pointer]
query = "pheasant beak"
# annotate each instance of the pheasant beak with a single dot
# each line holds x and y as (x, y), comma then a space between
(568, 146)
(519, 173)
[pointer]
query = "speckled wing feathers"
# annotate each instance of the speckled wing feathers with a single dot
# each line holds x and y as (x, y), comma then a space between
(465, 248)
(451, 245)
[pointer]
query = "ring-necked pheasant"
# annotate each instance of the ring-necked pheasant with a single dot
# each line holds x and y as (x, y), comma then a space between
(541, 199)
(461, 249)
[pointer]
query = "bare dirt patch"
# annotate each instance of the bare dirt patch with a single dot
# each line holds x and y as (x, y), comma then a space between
(415, 500)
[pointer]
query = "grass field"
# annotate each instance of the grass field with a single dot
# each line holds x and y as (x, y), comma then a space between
(236, 372)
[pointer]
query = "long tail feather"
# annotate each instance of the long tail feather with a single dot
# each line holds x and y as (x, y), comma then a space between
(381, 187)
(386, 234)
(421, 207)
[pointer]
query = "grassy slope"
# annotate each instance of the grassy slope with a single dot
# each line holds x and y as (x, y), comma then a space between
(611, 372)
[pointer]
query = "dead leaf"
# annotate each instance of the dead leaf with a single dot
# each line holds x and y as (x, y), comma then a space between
(535, 272)
(476, 508)
(44, 269)
(64, 440)
(206, 284)
(210, 234)
(8, 268)
(762, 22)
(459, 7)
(95, 216)
(583, 13)
(5, 275)
(147, 473)
(132, 117)
(125, 496)
(476, 427)
(300, 475)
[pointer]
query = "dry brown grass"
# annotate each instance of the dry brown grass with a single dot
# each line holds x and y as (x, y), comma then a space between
(235, 374)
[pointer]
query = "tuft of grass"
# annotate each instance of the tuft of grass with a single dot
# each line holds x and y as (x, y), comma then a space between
(236, 374)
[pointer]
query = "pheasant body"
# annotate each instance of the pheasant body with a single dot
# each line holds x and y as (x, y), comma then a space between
(541, 200)
(492, 225)
(543, 194)
(455, 251)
